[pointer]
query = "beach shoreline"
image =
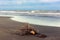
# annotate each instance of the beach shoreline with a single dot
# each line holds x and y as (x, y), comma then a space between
(8, 26)
(45, 21)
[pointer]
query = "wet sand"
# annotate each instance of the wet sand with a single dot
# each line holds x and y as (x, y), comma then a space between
(8, 27)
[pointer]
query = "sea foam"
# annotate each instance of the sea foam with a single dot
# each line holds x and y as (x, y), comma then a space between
(46, 21)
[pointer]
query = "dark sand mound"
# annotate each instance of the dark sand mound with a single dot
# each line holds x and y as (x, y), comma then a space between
(8, 27)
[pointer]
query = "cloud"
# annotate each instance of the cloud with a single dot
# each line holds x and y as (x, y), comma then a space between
(26, 1)
(36, 1)
(49, 1)
(8, 2)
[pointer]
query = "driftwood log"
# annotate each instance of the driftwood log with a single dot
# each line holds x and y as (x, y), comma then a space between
(27, 29)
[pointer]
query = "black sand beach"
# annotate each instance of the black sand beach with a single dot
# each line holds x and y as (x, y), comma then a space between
(8, 27)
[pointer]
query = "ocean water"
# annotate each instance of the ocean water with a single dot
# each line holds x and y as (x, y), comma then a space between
(39, 20)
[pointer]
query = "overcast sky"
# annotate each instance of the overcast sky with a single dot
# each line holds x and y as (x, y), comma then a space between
(29, 4)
